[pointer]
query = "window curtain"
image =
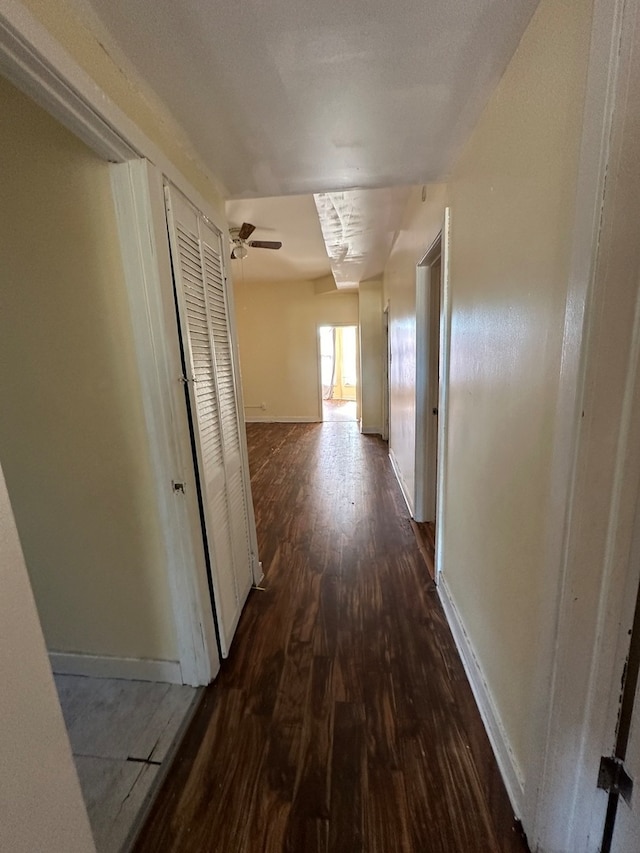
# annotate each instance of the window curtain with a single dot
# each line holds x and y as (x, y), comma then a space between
(339, 363)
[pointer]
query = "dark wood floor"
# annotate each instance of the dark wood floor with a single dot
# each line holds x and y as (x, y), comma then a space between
(425, 533)
(342, 721)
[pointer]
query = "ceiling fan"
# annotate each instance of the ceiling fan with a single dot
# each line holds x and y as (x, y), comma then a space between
(240, 239)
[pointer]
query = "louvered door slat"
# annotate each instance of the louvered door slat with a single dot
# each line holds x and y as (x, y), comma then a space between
(222, 348)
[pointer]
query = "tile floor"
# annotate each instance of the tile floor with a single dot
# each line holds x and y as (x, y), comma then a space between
(121, 733)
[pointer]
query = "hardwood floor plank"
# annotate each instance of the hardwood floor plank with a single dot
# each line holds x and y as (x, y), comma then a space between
(440, 790)
(387, 816)
(348, 780)
(342, 720)
(266, 823)
(237, 778)
(325, 636)
(312, 789)
(312, 836)
(380, 711)
(425, 533)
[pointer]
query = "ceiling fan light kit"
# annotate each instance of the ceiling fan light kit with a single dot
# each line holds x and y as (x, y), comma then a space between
(240, 240)
(239, 252)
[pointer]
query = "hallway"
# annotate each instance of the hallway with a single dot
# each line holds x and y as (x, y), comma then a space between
(342, 720)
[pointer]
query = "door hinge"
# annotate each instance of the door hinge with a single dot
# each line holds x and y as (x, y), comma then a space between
(614, 779)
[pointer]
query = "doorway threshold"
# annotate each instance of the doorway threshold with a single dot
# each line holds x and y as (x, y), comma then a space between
(425, 537)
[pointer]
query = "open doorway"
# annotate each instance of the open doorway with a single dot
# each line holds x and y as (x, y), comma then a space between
(432, 356)
(386, 368)
(428, 301)
(339, 372)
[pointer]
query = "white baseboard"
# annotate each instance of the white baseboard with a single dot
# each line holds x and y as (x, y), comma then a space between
(283, 419)
(509, 767)
(371, 430)
(132, 669)
(403, 488)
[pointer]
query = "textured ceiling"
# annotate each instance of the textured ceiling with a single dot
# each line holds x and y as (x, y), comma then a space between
(359, 227)
(286, 97)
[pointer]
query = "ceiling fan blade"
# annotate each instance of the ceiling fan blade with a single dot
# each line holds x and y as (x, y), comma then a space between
(246, 230)
(265, 244)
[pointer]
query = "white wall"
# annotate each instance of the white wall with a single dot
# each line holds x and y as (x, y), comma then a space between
(41, 806)
(372, 355)
(73, 439)
(278, 337)
(512, 203)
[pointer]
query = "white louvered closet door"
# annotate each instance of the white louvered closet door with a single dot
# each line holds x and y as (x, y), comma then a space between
(200, 297)
(225, 378)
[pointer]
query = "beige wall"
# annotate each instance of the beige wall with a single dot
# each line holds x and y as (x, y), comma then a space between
(511, 196)
(40, 798)
(371, 355)
(278, 338)
(421, 224)
(72, 433)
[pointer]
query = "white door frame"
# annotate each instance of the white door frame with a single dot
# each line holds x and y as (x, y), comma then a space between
(35, 62)
(439, 250)
(425, 478)
(443, 399)
(596, 471)
(385, 372)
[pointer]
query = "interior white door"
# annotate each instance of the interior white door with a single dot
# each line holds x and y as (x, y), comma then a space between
(196, 255)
